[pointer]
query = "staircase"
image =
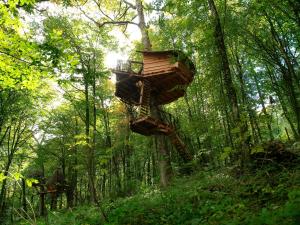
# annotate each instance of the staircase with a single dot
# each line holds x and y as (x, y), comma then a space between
(180, 147)
(167, 126)
(173, 134)
(169, 119)
(145, 99)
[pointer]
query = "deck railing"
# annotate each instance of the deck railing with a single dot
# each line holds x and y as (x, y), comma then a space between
(122, 66)
(129, 66)
(169, 119)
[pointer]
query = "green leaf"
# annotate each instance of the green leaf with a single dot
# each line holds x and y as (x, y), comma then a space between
(257, 149)
(17, 176)
(235, 130)
(31, 181)
(2, 177)
(226, 153)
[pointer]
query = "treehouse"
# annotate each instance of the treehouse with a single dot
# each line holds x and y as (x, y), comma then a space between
(161, 78)
(168, 72)
(148, 125)
(126, 80)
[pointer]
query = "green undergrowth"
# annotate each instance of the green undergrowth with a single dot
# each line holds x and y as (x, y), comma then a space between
(268, 196)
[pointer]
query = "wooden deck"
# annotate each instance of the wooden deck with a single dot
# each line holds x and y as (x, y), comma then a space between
(168, 96)
(126, 88)
(148, 126)
(167, 72)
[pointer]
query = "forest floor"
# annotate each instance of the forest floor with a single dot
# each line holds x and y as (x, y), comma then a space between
(265, 194)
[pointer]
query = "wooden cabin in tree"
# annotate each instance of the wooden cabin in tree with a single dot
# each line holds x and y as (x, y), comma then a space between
(169, 72)
(161, 78)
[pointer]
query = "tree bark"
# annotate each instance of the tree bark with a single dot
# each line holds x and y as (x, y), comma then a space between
(165, 165)
(290, 78)
(230, 91)
(142, 26)
(24, 203)
(227, 77)
(90, 152)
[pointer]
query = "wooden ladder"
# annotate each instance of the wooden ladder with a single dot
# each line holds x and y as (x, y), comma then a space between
(180, 146)
(145, 99)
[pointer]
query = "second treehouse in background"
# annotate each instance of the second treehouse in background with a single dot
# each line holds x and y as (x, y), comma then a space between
(161, 78)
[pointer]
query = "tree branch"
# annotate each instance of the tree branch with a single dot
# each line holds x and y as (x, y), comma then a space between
(111, 20)
(116, 23)
(12, 56)
(129, 4)
(99, 7)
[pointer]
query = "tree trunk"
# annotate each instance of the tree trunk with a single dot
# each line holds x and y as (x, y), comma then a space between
(227, 78)
(142, 26)
(3, 188)
(260, 95)
(42, 184)
(290, 79)
(245, 100)
(24, 203)
(72, 172)
(164, 161)
(90, 152)
(165, 167)
(282, 103)
(43, 211)
(230, 91)
(127, 157)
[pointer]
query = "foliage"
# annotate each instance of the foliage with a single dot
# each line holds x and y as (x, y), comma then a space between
(21, 64)
(216, 198)
(208, 197)
(65, 140)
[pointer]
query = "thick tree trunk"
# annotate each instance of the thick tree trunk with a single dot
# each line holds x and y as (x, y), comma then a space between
(164, 162)
(165, 165)
(142, 26)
